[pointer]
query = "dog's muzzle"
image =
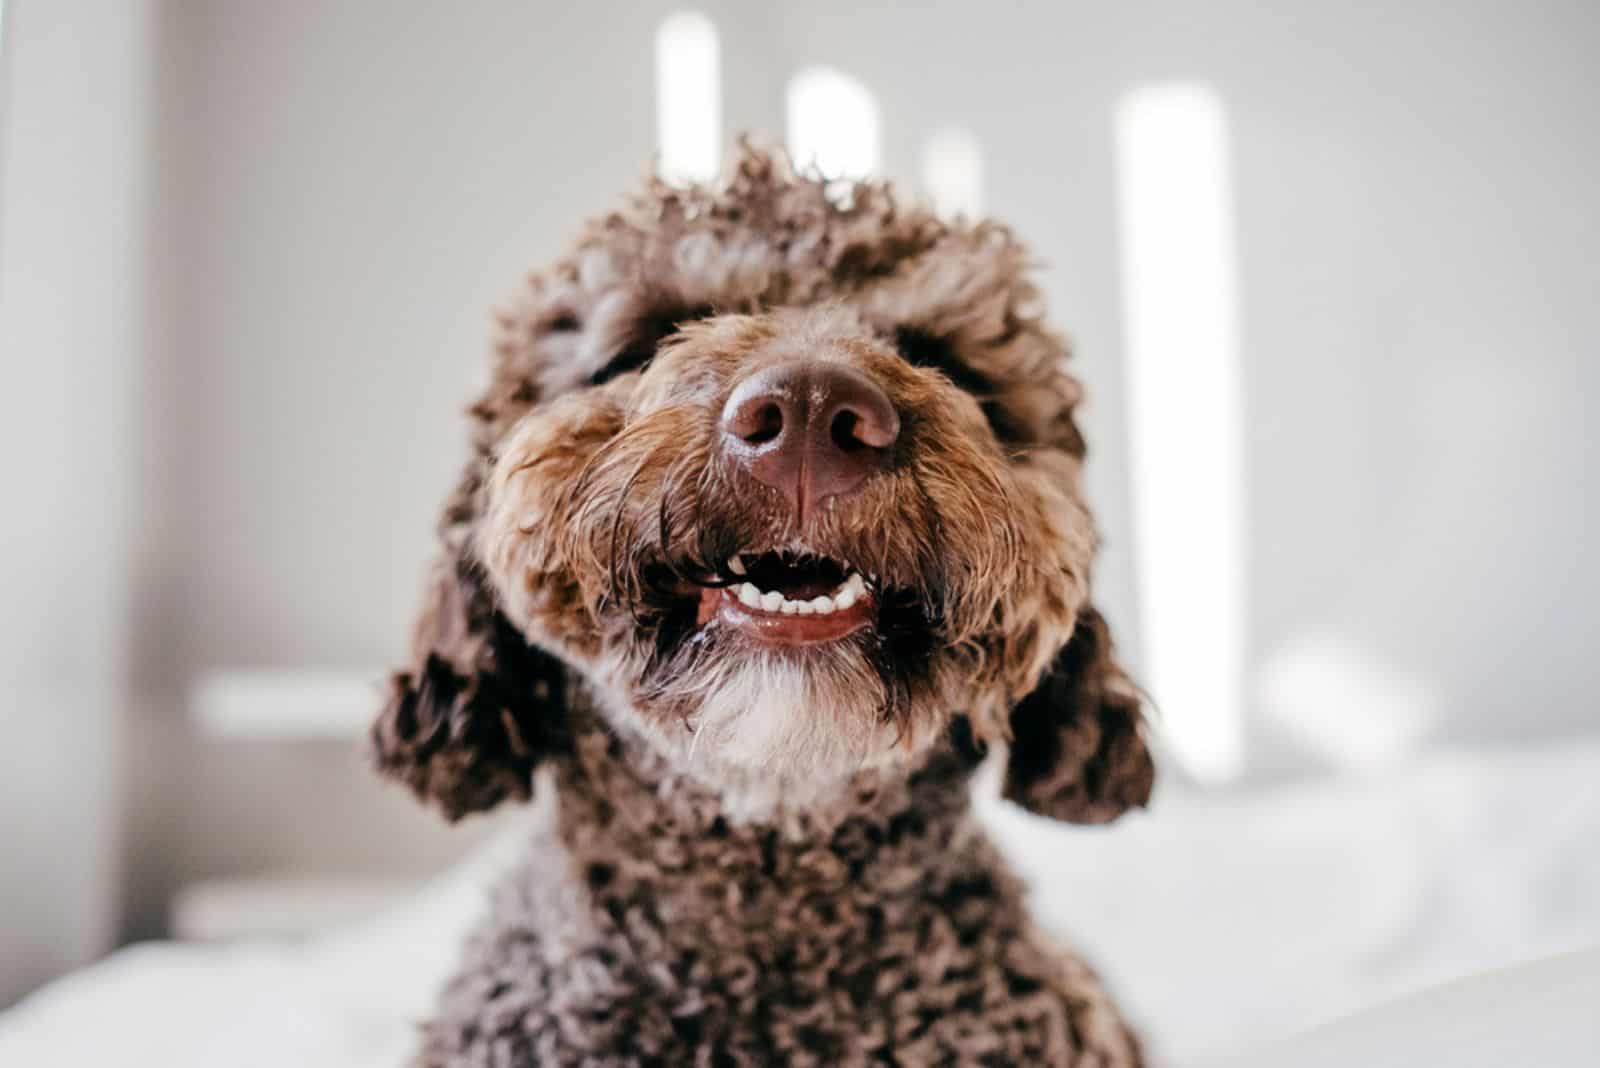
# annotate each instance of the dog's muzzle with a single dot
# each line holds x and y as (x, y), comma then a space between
(813, 430)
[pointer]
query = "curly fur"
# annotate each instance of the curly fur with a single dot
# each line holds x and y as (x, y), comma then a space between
(759, 855)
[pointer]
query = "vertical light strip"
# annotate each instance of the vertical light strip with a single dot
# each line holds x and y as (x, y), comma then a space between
(833, 123)
(952, 172)
(5, 91)
(688, 97)
(1180, 317)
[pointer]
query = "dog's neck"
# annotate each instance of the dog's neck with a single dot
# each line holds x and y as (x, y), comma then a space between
(626, 816)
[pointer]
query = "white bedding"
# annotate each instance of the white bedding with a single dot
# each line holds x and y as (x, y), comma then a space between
(1228, 921)
(1542, 1013)
(1222, 921)
(347, 999)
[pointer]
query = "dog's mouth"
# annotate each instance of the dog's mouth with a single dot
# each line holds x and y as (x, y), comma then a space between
(791, 598)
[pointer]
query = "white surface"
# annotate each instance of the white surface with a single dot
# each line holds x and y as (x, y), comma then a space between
(285, 704)
(1542, 1013)
(1227, 921)
(277, 906)
(1223, 923)
(76, 112)
(350, 999)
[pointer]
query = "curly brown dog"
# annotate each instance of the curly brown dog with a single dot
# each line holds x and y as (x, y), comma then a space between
(772, 527)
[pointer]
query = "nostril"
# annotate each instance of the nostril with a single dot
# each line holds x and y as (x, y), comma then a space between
(762, 425)
(754, 415)
(866, 421)
(846, 431)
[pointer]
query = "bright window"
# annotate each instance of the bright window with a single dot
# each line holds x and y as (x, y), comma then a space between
(1180, 310)
(833, 123)
(688, 97)
(952, 172)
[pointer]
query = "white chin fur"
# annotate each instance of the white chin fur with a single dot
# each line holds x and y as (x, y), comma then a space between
(768, 716)
(773, 734)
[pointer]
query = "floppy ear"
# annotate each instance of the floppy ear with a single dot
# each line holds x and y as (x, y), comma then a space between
(1077, 742)
(479, 707)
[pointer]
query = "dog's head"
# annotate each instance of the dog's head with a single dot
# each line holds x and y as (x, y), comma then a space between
(788, 476)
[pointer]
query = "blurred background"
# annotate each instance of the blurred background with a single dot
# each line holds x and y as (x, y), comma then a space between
(1330, 274)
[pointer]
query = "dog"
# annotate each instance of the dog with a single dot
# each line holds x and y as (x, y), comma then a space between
(772, 528)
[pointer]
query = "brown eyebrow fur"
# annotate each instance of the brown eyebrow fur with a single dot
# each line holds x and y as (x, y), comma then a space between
(766, 240)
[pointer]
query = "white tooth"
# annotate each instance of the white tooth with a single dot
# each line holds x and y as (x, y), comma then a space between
(804, 607)
(845, 597)
(789, 607)
(749, 596)
(822, 605)
(771, 602)
(736, 565)
(854, 582)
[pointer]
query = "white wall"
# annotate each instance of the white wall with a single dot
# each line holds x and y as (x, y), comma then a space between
(74, 287)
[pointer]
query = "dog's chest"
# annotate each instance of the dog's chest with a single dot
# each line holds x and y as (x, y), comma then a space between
(917, 967)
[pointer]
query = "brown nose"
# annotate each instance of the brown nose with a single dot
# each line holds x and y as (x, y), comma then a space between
(810, 428)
